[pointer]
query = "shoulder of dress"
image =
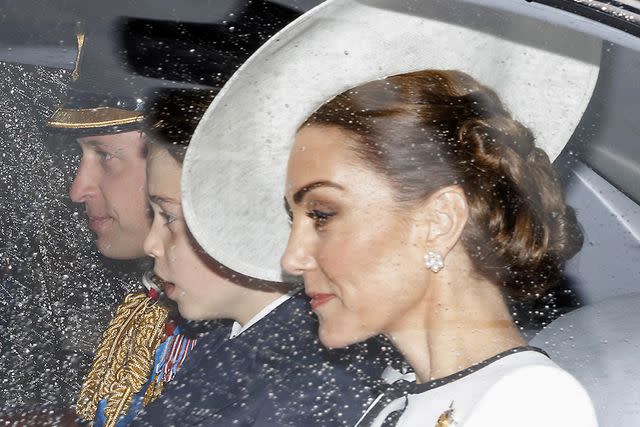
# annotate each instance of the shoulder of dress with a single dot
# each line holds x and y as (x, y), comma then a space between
(534, 395)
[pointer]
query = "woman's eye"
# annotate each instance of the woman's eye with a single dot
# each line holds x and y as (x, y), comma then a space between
(168, 218)
(319, 217)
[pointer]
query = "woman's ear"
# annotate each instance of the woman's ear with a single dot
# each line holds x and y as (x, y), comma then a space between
(445, 214)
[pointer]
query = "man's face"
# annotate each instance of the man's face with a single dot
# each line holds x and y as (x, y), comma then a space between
(111, 182)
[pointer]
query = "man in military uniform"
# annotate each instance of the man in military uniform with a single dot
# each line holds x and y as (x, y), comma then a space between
(103, 112)
(110, 180)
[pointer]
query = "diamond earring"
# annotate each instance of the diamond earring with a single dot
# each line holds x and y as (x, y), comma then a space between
(433, 261)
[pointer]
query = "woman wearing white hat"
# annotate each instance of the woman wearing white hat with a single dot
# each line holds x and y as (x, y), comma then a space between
(419, 203)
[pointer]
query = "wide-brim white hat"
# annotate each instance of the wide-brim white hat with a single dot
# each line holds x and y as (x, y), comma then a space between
(234, 173)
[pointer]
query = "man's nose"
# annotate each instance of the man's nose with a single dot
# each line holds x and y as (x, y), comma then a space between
(84, 184)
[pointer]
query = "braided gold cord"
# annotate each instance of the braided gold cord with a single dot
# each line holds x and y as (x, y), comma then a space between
(135, 373)
(124, 358)
(154, 390)
(100, 371)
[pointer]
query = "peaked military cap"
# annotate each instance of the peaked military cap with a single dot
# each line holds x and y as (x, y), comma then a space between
(122, 65)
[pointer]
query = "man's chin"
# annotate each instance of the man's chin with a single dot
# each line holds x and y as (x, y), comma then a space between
(119, 252)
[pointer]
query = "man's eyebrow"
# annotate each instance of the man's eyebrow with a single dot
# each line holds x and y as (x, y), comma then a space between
(93, 143)
(299, 195)
(154, 198)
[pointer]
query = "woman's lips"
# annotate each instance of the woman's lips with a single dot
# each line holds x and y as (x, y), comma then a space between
(319, 299)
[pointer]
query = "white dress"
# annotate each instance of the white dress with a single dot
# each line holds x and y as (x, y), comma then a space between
(521, 387)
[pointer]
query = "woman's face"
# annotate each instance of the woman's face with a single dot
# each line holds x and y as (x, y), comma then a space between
(199, 292)
(359, 253)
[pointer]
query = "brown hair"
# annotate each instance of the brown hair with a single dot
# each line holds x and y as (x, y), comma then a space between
(430, 129)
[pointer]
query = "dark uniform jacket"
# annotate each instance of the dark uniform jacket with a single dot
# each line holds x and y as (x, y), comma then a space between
(275, 373)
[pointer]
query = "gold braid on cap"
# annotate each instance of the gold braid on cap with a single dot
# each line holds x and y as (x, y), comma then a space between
(76, 68)
(124, 359)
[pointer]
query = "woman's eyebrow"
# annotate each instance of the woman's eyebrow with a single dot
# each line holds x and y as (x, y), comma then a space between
(299, 195)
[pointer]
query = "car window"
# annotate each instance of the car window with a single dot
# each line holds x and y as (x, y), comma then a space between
(58, 292)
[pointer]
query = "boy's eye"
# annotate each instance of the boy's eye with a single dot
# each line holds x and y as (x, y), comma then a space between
(168, 218)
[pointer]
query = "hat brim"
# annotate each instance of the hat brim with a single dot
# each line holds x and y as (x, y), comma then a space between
(234, 171)
(99, 120)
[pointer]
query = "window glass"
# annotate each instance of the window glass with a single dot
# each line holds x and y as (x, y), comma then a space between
(58, 290)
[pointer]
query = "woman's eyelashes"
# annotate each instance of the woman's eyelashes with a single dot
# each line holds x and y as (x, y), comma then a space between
(320, 217)
(319, 214)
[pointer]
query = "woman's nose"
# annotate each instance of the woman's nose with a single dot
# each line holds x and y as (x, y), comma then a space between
(298, 258)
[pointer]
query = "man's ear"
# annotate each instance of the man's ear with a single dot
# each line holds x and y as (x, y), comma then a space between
(443, 217)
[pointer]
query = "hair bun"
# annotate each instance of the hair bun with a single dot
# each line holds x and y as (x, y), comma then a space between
(531, 230)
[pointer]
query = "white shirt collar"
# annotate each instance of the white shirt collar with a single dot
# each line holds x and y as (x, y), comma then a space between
(237, 328)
